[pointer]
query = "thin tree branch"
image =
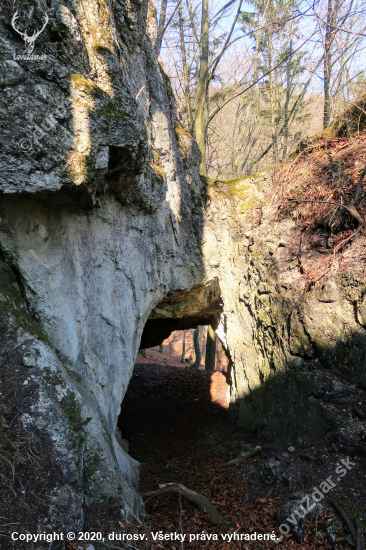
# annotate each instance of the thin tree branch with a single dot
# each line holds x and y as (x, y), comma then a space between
(170, 19)
(293, 110)
(338, 28)
(259, 79)
(218, 58)
(196, 498)
(222, 9)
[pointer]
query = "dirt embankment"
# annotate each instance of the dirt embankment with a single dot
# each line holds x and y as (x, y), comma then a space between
(317, 189)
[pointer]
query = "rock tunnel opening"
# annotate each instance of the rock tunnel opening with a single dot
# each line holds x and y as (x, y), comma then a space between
(169, 402)
(181, 310)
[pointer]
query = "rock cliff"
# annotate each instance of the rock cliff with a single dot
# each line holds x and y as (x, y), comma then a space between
(109, 240)
(101, 220)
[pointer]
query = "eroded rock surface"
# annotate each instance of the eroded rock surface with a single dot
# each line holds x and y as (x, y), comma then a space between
(106, 227)
(98, 225)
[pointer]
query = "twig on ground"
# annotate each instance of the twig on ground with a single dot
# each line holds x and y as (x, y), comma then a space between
(344, 516)
(244, 456)
(196, 498)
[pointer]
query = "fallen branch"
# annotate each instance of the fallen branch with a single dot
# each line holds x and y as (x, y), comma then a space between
(244, 456)
(344, 516)
(342, 243)
(196, 498)
(351, 209)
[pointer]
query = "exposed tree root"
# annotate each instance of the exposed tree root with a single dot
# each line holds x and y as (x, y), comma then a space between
(356, 533)
(359, 544)
(196, 498)
(244, 456)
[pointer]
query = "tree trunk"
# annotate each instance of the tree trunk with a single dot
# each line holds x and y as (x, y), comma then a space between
(333, 6)
(271, 94)
(161, 25)
(210, 350)
(197, 347)
(203, 340)
(195, 39)
(200, 103)
(286, 131)
(183, 346)
(327, 66)
(187, 93)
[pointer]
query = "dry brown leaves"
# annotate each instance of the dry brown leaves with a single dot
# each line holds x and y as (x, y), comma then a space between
(226, 491)
(329, 171)
(183, 458)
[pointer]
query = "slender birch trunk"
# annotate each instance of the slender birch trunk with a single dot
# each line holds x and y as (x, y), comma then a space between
(333, 7)
(187, 94)
(210, 350)
(197, 347)
(200, 115)
(271, 94)
(161, 24)
(286, 131)
(183, 346)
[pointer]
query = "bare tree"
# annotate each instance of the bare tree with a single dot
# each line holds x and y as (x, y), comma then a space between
(249, 106)
(183, 346)
(197, 347)
(330, 33)
(210, 350)
(161, 24)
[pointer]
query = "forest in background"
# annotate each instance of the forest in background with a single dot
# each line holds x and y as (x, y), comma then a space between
(253, 79)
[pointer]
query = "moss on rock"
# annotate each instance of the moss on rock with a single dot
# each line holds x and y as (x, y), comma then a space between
(72, 408)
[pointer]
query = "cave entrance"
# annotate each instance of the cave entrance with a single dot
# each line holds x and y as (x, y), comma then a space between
(170, 406)
(183, 310)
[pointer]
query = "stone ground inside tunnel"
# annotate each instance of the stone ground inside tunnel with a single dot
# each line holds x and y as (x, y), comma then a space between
(180, 431)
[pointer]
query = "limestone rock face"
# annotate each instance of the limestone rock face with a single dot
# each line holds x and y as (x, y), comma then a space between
(99, 222)
(109, 238)
(298, 353)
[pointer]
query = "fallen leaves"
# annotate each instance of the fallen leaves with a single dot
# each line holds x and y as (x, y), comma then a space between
(179, 453)
(330, 173)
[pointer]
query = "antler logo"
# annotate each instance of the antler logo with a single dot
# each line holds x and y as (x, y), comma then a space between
(29, 40)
